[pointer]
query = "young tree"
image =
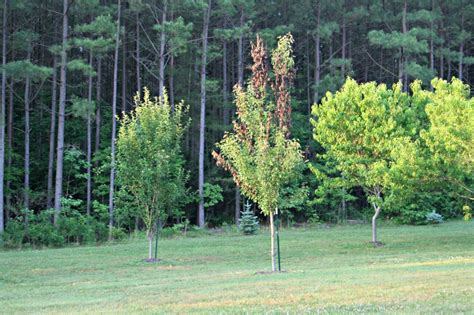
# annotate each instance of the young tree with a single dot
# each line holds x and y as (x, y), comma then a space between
(150, 160)
(258, 153)
(360, 127)
(450, 135)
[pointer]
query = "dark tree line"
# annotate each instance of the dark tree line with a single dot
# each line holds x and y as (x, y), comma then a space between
(68, 69)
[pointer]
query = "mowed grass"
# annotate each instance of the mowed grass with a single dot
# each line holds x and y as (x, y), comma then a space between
(424, 269)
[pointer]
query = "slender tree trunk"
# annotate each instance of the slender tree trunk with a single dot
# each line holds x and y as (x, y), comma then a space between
(52, 136)
(171, 72)
(461, 55)
(317, 42)
(404, 57)
(202, 125)
(98, 118)
(162, 50)
(238, 201)
(26, 179)
(171, 82)
(124, 74)
(114, 125)
(461, 50)
(343, 48)
(240, 60)
(150, 245)
(225, 85)
(272, 246)
(308, 78)
(8, 204)
(432, 61)
(62, 106)
(449, 69)
(2, 112)
(137, 53)
(89, 143)
(374, 218)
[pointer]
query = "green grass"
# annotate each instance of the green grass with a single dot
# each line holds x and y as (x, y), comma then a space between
(427, 269)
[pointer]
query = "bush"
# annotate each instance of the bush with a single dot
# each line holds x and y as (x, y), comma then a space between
(72, 227)
(434, 218)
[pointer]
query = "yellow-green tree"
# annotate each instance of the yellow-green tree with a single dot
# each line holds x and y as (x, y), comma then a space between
(361, 128)
(150, 162)
(258, 152)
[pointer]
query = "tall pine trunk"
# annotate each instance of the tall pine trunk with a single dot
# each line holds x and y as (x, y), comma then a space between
(343, 48)
(114, 125)
(240, 76)
(52, 136)
(162, 50)
(202, 125)
(26, 170)
(98, 99)
(225, 84)
(8, 197)
(2, 112)
(124, 74)
(404, 58)
(137, 55)
(62, 106)
(89, 142)
(317, 42)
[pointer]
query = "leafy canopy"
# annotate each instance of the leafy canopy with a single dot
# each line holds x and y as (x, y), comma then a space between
(150, 159)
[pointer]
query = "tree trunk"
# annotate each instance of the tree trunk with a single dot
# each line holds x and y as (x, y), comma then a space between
(317, 42)
(10, 148)
(432, 62)
(137, 53)
(461, 54)
(202, 125)
(240, 77)
(272, 247)
(150, 245)
(461, 50)
(89, 144)
(403, 58)
(308, 79)
(124, 74)
(162, 50)
(26, 179)
(374, 218)
(114, 125)
(240, 60)
(62, 106)
(52, 136)
(237, 204)
(343, 48)
(98, 105)
(225, 84)
(2, 112)
(171, 73)
(171, 82)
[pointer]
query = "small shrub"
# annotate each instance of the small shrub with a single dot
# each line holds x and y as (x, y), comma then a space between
(434, 218)
(248, 223)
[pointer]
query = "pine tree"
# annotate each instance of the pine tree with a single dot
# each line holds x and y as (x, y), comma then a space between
(248, 222)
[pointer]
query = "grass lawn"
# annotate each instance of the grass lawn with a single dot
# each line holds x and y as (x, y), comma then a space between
(425, 269)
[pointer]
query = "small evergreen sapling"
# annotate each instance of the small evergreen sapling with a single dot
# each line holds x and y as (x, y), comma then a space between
(248, 223)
